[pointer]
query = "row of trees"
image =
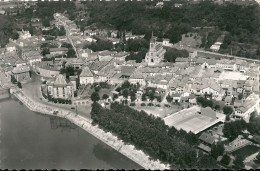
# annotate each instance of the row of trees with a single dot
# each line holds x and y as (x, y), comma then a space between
(151, 135)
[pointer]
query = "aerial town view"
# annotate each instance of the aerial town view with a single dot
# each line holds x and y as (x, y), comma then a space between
(130, 84)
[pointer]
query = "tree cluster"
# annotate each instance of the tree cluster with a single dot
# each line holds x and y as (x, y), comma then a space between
(232, 129)
(100, 45)
(149, 134)
(55, 31)
(128, 89)
(8, 29)
(71, 52)
(240, 22)
(172, 53)
(204, 102)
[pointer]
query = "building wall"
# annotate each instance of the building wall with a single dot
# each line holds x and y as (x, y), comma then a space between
(47, 73)
(135, 81)
(63, 92)
(86, 80)
(22, 76)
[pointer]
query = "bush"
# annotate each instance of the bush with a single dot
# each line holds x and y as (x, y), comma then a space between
(150, 104)
(226, 159)
(143, 104)
(158, 105)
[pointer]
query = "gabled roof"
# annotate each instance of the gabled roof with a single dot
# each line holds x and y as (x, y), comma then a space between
(207, 138)
(60, 80)
(86, 72)
(21, 69)
(127, 70)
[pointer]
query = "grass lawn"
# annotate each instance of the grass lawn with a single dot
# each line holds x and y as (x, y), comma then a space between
(246, 151)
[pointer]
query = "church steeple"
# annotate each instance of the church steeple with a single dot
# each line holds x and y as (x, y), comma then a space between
(153, 40)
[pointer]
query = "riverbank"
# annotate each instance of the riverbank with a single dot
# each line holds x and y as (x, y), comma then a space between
(85, 123)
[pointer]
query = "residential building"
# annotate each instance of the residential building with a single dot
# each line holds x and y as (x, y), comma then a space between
(21, 73)
(58, 51)
(48, 69)
(207, 139)
(32, 57)
(86, 76)
(239, 142)
(250, 105)
(60, 88)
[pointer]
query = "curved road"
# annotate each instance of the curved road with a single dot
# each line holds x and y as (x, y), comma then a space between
(32, 89)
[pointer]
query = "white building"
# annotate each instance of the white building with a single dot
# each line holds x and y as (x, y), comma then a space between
(60, 88)
(86, 76)
(251, 104)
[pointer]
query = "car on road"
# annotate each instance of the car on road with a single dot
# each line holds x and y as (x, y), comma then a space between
(55, 112)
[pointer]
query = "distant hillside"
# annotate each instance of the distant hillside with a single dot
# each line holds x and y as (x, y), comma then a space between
(240, 22)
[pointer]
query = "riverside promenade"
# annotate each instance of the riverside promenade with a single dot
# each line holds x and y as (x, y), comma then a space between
(85, 123)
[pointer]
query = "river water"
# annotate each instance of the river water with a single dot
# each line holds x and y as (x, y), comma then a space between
(29, 140)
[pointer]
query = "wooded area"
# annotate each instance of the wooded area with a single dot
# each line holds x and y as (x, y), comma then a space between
(151, 135)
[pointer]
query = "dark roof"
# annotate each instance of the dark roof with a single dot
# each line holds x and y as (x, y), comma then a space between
(204, 147)
(192, 96)
(127, 70)
(256, 138)
(207, 138)
(176, 95)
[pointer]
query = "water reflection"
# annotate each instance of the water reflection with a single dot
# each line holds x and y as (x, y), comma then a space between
(106, 154)
(31, 140)
(61, 123)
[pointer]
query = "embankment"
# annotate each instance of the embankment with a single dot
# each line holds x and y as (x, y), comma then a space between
(85, 123)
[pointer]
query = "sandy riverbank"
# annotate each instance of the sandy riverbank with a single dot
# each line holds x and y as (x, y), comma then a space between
(85, 123)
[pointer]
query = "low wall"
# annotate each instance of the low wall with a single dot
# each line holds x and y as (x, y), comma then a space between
(128, 150)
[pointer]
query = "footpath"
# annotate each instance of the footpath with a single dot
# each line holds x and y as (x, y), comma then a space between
(129, 151)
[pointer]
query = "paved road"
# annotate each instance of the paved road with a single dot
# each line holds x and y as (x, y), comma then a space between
(69, 38)
(32, 89)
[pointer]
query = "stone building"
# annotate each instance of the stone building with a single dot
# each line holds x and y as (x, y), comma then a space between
(156, 52)
(60, 88)
(21, 73)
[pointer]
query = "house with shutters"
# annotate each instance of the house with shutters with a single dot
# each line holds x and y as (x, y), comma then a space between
(86, 76)
(60, 88)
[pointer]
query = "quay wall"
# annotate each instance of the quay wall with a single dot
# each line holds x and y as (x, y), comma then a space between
(85, 123)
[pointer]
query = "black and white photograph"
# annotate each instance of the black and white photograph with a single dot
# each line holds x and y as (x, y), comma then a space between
(130, 84)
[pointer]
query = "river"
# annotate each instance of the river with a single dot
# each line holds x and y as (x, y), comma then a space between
(29, 140)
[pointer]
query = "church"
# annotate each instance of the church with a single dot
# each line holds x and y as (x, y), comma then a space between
(156, 52)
